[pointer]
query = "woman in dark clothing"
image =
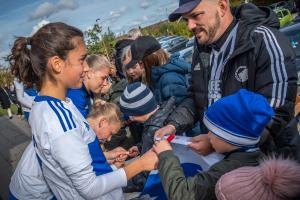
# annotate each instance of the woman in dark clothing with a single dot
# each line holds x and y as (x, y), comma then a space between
(5, 101)
(165, 75)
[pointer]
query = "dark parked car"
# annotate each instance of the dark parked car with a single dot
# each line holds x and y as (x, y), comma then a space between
(297, 19)
(190, 42)
(187, 54)
(293, 34)
(290, 5)
(177, 44)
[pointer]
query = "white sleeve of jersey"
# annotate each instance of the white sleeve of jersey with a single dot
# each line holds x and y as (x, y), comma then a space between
(72, 153)
(22, 97)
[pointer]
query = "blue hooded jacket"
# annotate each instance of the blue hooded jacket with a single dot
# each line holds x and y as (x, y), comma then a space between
(171, 79)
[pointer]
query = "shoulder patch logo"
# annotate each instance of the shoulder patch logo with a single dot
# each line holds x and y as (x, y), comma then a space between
(241, 74)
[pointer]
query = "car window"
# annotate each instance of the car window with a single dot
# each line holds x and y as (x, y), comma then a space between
(279, 14)
(294, 38)
(281, 4)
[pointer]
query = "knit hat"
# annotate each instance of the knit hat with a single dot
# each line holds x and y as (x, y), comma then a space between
(239, 119)
(137, 100)
(273, 179)
(142, 47)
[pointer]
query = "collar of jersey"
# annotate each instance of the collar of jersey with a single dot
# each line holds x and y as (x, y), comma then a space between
(45, 98)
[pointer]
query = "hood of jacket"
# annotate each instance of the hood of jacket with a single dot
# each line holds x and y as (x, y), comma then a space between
(249, 16)
(175, 64)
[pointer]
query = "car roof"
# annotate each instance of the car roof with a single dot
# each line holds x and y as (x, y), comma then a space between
(280, 9)
(291, 27)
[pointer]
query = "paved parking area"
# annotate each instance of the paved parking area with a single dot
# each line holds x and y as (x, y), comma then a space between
(14, 137)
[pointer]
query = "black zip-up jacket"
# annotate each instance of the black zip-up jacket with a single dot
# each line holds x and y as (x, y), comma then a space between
(257, 57)
(155, 122)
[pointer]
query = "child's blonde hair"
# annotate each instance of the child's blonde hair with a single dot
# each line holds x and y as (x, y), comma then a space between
(109, 110)
(97, 62)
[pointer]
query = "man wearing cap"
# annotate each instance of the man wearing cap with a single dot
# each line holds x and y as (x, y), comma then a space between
(234, 49)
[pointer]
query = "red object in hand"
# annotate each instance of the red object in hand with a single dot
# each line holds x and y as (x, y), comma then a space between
(171, 137)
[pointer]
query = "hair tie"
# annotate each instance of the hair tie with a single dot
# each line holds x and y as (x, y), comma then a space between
(28, 41)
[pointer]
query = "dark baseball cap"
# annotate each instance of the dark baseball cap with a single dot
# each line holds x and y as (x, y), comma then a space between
(185, 6)
(142, 47)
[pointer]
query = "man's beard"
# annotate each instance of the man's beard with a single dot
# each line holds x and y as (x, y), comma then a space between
(211, 32)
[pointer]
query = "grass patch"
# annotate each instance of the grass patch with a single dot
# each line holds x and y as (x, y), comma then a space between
(14, 110)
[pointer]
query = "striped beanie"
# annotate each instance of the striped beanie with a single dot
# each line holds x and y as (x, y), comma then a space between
(137, 100)
(239, 119)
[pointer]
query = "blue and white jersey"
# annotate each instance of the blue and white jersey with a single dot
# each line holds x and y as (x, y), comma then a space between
(73, 163)
(27, 182)
(82, 99)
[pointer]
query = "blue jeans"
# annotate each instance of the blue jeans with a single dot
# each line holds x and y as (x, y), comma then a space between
(26, 115)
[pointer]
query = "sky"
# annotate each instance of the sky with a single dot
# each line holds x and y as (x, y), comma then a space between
(23, 17)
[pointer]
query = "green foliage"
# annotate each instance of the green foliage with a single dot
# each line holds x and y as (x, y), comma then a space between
(107, 44)
(5, 77)
(99, 42)
(168, 28)
(13, 107)
(92, 37)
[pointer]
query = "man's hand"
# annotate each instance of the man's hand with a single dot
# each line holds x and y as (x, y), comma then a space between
(201, 145)
(161, 146)
(149, 160)
(166, 130)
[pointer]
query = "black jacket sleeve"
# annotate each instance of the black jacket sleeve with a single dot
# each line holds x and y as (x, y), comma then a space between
(275, 75)
(184, 116)
(155, 122)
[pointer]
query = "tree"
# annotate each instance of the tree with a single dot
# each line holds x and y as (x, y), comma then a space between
(5, 77)
(92, 36)
(107, 43)
(99, 42)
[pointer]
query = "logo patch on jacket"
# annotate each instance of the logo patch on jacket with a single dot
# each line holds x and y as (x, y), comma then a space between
(241, 74)
(197, 67)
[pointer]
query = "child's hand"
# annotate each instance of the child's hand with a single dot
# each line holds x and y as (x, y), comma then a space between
(161, 146)
(121, 158)
(133, 151)
(119, 164)
(149, 160)
(116, 153)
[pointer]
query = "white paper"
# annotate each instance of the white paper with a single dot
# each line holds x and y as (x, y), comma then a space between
(180, 140)
(187, 155)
